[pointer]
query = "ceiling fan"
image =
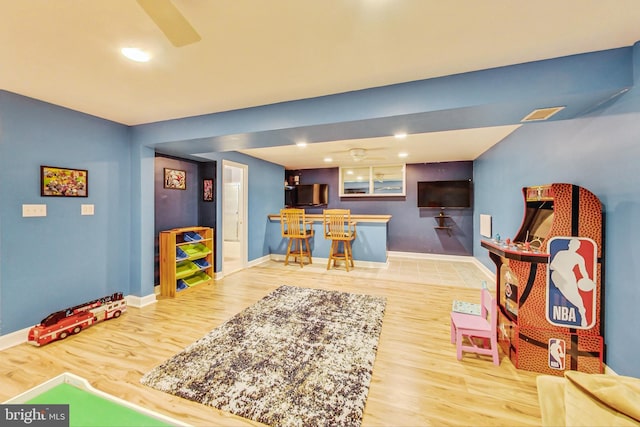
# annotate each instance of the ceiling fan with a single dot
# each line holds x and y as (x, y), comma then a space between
(170, 21)
(360, 154)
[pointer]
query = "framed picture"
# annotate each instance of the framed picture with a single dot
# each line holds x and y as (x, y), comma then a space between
(207, 190)
(175, 179)
(63, 182)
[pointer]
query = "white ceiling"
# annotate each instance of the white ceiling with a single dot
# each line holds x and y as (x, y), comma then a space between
(466, 144)
(261, 52)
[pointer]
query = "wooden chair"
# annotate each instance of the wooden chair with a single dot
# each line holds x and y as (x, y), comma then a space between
(298, 230)
(467, 329)
(338, 228)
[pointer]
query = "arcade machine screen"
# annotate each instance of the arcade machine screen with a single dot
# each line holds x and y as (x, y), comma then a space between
(537, 223)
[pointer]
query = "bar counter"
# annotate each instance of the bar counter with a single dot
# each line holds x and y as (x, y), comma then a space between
(369, 247)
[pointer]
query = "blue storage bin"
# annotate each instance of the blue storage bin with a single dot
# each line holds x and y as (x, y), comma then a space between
(181, 285)
(191, 236)
(202, 263)
(181, 255)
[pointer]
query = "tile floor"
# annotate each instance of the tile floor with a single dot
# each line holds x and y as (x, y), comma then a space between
(460, 273)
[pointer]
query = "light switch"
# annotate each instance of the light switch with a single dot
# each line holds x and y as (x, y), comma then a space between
(86, 209)
(34, 210)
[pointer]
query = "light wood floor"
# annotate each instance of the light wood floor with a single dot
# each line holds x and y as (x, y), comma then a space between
(416, 381)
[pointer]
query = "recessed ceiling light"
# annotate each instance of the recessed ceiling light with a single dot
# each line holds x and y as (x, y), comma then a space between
(328, 159)
(136, 54)
(301, 144)
(403, 154)
(349, 172)
(400, 135)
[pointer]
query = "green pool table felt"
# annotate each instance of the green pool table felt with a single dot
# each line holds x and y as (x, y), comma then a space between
(89, 410)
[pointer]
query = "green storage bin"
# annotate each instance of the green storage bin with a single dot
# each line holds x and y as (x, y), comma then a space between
(186, 268)
(195, 251)
(196, 279)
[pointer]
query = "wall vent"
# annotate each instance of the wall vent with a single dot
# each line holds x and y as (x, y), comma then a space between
(541, 114)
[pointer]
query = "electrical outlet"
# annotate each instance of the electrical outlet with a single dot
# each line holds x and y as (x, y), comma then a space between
(86, 209)
(34, 210)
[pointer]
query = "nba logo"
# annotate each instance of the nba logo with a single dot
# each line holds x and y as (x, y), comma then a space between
(557, 353)
(571, 288)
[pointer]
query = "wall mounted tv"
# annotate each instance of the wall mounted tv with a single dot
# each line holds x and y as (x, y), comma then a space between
(307, 195)
(445, 194)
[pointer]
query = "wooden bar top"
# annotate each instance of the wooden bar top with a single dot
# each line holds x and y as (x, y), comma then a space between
(354, 217)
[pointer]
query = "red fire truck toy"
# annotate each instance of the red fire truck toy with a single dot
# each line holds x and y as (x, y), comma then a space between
(61, 324)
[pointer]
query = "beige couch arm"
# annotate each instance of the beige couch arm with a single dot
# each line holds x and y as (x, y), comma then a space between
(581, 399)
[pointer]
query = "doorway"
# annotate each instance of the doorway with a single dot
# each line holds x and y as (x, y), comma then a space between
(234, 216)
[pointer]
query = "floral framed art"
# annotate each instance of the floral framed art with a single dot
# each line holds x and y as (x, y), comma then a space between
(63, 182)
(175, 179)
(207, 190)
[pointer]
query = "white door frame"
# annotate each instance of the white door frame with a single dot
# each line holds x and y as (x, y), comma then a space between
(243, 231)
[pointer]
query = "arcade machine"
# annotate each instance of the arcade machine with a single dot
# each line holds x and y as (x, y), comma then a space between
(549, 282)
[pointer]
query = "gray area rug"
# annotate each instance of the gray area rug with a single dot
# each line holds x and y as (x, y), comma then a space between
(298, 357)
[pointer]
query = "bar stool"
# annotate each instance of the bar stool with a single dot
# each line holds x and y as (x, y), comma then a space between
(295, 227)
(338, 228)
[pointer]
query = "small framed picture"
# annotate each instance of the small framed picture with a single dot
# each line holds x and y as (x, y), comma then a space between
(175, 179)
(63, 182)
(207, 190)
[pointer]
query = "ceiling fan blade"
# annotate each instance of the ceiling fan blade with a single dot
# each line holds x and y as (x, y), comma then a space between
(170, 21)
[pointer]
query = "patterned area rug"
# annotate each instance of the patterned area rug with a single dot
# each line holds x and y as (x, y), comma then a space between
(298, 357)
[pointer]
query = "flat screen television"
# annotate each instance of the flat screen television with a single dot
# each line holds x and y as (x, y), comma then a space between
(445, 194)
(309, 195)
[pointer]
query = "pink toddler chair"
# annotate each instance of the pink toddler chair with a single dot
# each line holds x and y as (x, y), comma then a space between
(472, 327)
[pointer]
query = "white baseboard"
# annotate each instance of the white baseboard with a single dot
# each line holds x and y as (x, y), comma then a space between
(409, 255)
(138, 302)
(258, 261)
(320, 261)
(14, 338)
(484, 269)
(439, 257)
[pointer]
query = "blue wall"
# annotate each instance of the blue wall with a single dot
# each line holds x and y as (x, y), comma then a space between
(180, 208)
(601, 153)
(49, 263)
(65, 259)
(266, 196)
(411, 229)
(176, 208)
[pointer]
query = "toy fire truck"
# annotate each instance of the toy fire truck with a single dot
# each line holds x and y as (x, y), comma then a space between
(61, 324)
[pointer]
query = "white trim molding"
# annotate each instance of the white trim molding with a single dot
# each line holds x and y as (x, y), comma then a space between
(14, 338)
(321, 261)
(139, 302)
